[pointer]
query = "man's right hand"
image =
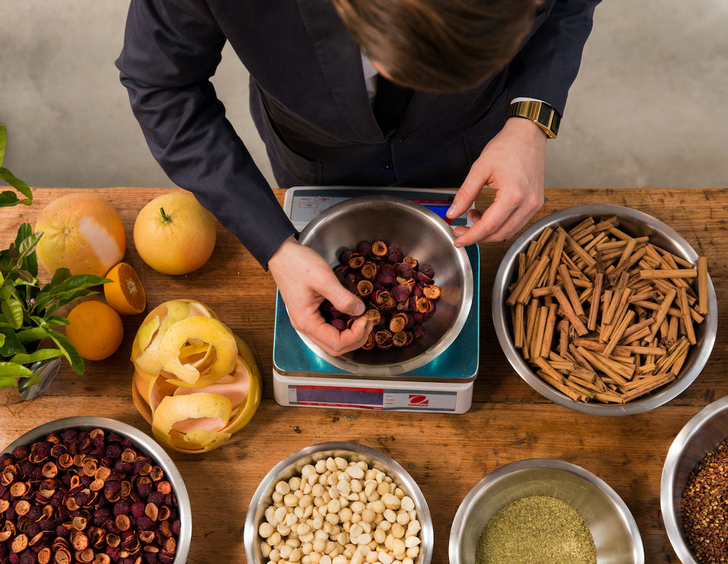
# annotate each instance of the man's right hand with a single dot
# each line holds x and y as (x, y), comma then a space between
(305, 280)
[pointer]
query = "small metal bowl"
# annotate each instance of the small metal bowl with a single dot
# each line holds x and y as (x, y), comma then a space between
(420, 233)
(638, 224)
(293, 464)
(145, 444)
(703, 433)
(610, 522)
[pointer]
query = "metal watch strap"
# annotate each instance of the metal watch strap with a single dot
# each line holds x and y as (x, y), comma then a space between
(543, 115)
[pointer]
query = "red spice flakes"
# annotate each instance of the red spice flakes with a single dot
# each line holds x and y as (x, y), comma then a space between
(705, 507)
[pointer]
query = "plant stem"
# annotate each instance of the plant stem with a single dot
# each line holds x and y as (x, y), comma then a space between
(165, 218)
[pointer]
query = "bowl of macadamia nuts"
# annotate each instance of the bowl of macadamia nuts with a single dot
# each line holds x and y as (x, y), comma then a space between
(338, 503)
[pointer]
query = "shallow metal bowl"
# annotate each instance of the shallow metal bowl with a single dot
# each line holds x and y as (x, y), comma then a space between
(145, 444)
(637, 224)
(610, 522)
(703, 433)
(293, 464)
(418, 232)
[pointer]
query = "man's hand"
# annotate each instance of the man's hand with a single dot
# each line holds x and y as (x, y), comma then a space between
(305, 280)
(513, 164)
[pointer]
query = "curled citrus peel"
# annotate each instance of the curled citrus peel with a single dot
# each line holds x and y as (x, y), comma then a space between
(206, 329)
(194, 381)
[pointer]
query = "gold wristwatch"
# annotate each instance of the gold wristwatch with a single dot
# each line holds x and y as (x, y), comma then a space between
(540, 113)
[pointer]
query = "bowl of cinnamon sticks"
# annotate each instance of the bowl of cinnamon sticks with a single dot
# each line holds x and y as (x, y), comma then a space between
(605, 310)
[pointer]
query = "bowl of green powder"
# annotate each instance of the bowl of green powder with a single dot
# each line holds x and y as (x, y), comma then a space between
(544, 511)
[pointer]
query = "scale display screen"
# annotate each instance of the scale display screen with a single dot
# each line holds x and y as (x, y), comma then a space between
(380, 399)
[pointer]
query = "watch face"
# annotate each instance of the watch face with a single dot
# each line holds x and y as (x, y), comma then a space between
(544, 114)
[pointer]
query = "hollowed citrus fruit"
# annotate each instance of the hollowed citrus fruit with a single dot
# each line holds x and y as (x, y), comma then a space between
(95, 329)
(126, 293)
(82, 233)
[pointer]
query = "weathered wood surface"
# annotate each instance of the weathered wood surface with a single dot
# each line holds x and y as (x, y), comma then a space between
(446, 454)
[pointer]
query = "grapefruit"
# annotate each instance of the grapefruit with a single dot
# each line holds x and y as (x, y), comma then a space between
(174, 234)
(81, 232)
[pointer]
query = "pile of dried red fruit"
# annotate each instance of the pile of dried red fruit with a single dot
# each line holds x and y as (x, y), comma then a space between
(398, 292)
(85, 496)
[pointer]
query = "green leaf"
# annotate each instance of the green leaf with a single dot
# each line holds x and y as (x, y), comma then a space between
(2, 340)
(24, 231)
(12, 307)
(3, 137)
(69, 351)
(7, 382)
(30, 335)
(77, 282)
(61, 275)
(56, 320)
(13, 370)
(42, 354)
(27, 247)
(19, 185)
(77, 295)
(12, 345)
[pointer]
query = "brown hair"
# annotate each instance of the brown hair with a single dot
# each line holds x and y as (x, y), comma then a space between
(438, 45)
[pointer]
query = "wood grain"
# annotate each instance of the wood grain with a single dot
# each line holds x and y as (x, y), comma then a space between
(446, 454)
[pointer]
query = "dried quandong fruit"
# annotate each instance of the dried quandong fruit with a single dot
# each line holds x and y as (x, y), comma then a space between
(398, 292)
(83, 496)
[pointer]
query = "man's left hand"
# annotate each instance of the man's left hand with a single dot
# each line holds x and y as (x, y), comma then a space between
(513, 165)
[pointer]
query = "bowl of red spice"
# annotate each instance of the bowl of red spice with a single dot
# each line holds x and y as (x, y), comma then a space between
(543, 511)
(694, 488)
(399, 257)
(91, 490)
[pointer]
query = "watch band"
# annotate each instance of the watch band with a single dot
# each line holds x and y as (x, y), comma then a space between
(543, 115)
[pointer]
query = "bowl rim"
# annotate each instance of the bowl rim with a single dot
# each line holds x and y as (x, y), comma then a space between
(250, 531)
(447, 338)
(144, 442)
(503, 334)
(667, 482)
(552, 464)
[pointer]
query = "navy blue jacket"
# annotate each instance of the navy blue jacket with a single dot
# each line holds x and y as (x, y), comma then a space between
(309, 102)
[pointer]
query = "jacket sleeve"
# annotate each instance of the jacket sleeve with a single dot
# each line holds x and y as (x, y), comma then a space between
(171, 49)
(549, 60)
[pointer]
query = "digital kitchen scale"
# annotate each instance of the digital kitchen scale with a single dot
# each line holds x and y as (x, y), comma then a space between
(302, 378)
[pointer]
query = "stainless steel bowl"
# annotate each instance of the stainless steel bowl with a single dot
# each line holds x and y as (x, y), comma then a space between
(145, 444)
(293, 464)
(420, 233)
(703, 433)
(638, 224)
(610, 522)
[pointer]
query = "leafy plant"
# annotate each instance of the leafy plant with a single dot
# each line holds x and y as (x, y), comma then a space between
(27, 308)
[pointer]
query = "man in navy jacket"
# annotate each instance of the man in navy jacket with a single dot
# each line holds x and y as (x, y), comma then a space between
(319, 78)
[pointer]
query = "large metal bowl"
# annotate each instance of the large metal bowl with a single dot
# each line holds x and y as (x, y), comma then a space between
(703, 433)
(419, 233)
(293, 464)
(145, 444)
(610, 522)
(637, 224)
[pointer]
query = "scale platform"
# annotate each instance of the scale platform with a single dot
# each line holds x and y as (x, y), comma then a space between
(444, 385)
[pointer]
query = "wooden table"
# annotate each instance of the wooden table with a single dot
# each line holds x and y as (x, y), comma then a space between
(446, 454)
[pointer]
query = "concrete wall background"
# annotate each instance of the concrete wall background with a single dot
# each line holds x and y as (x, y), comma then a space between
(647, 109)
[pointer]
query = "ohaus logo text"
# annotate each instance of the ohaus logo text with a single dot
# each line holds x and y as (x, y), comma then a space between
(418, 400)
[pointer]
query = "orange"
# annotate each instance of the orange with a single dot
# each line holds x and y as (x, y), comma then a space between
(126, 293)
(95, 329)
(174, 234)
(81, 232)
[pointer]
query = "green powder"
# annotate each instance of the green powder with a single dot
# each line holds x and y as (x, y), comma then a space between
(536, 530)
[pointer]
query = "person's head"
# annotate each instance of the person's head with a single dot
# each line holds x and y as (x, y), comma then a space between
(438, 45)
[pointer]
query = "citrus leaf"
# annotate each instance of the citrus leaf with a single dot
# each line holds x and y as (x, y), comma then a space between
(2, 340)
(27, 246)
(13, 370)
(18, 184)
(3, 137)
(42, 354)
(69, 351)
(12, 345)
(77, 282)
(30, 335)
(12, 308)
(7, 382)
(56, 320)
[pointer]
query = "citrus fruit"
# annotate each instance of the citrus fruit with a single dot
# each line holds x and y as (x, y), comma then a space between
(126, 293)
(82, 233)
(95, 329)
(174, 234)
